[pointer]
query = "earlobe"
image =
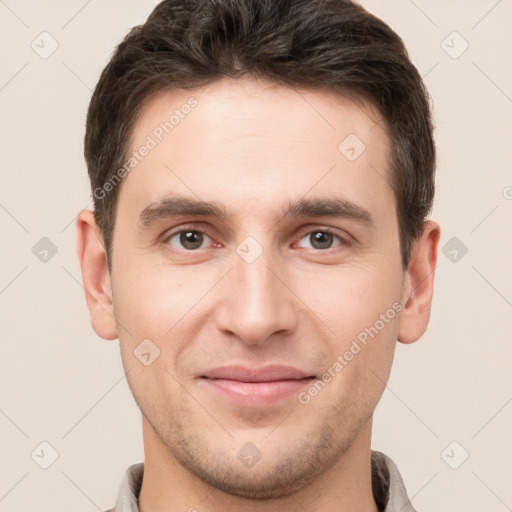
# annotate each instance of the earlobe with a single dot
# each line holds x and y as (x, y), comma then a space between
(95, 276)
(419, 285)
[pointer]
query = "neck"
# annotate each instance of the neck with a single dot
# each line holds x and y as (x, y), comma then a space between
(168, 486)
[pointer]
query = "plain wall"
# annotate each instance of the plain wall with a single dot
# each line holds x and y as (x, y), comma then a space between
(61, 384)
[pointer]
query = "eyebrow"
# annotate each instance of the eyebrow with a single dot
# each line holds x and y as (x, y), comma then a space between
(176, 206)
(329, 207)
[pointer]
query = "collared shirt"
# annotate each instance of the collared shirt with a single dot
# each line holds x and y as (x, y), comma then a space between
(387, 485)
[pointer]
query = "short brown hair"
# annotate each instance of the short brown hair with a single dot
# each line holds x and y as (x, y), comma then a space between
(332, 44)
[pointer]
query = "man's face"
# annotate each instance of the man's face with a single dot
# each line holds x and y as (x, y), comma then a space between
(263, 285)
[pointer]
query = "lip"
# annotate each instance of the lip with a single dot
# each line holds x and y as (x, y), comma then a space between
(268, 373)
(256, 387)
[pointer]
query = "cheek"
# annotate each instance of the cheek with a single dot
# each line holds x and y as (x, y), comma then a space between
(150, 302)
(156, 303)
(150, 308)
(359, 307)
(350, 300)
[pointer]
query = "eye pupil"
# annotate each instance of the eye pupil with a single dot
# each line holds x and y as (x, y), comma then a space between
(321, 239)
(191, 239)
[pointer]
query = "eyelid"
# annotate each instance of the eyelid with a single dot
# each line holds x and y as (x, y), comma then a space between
(344, 238)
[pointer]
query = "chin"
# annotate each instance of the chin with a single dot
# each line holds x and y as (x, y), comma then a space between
(277, 474)
(267, 483)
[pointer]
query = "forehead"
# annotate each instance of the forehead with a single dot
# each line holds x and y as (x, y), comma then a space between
(252, 106)
(250, 141)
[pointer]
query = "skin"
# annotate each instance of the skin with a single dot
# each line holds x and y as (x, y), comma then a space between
(253, 147)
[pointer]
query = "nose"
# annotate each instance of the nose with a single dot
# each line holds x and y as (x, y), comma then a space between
(257, 301)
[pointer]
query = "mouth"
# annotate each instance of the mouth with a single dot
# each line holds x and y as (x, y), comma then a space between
(256, 387)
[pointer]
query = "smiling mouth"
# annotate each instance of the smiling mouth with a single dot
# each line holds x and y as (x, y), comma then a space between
(256, 387)
(263, 389)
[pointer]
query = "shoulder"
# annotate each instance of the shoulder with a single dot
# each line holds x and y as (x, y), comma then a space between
(128, 492)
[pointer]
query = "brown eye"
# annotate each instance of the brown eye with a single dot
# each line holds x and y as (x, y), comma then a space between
(188, 239)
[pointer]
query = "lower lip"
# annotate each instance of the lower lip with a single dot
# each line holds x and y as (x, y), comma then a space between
(256, 394)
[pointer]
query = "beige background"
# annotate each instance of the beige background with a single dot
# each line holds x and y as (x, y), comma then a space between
(61, 384)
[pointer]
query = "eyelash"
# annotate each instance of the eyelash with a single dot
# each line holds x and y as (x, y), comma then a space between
(343, 241)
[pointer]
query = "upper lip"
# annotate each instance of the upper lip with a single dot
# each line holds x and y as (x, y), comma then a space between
(264, 374)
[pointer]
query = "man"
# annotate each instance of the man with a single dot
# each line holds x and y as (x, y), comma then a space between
(262, 173)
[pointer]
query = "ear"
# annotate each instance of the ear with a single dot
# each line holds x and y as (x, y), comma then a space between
(419, 284)
(95, 276)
